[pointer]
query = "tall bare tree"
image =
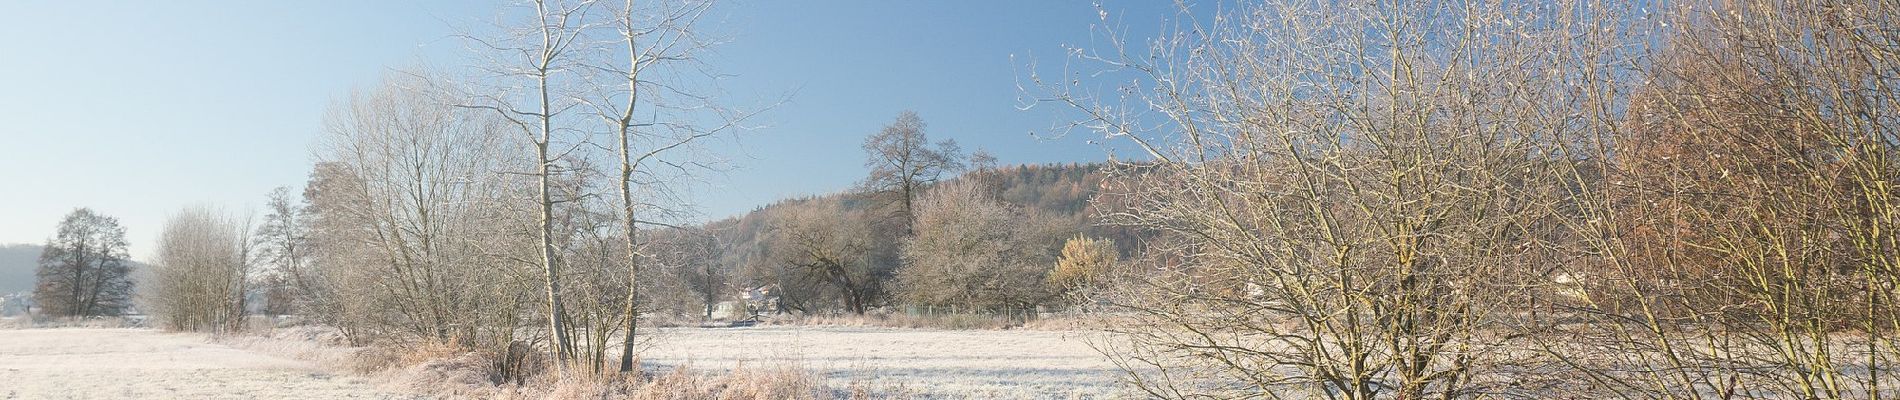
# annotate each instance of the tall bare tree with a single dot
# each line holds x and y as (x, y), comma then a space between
(83, 269)
(662, 109)
(281, 248)
(903, 162)
(535, 72)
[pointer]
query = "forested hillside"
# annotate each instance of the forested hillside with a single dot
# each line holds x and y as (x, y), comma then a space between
(17, 262)
(1058, 189)
(752, 250)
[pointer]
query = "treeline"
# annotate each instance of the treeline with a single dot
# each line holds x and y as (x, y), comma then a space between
(531, 215)
(790, 247)
(1562, 199)
(501, 211)
(409, 230)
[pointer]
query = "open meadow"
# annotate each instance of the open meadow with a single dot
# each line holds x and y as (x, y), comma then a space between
(997, 364)
(103, 363)
(90, 363)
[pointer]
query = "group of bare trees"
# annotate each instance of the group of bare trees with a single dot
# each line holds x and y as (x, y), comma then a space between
(1747, 207)
(923, 228)
(1472, 199)
(571, 70)
(502, 211)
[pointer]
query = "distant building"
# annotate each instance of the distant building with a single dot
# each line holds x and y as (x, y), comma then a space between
(15, 304)
(756, 301)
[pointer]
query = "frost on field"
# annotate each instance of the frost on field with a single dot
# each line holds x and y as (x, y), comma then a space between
(143, 364)
(926, 363)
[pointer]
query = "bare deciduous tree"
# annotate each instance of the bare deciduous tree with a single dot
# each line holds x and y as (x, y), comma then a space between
(692, 254)
(83, 271)
(536, 77)
(974, 252)
(658, 114)
(903, 162)
(557, 69)
(1735, 222)
(821, 249)
(418, 229)
(199, 278)
(281, 249)
(1349, 196)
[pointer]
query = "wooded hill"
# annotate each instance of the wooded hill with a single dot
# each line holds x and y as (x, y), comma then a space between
(747, 253)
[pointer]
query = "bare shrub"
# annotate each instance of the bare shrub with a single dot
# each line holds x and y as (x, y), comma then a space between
(415, 231)
(1351, 197)
(1737, 244)
(1459, 199)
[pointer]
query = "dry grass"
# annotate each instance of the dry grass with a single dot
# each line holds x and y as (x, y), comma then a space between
(443, 371)
(37, 322)
(898, 363)
(84, 363)
(318, 345)
(783, 381)
(885, 320)
(1049, 322)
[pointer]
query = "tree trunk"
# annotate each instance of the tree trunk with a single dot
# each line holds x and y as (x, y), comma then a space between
(557, 313)
(557, 321)
(632, 313)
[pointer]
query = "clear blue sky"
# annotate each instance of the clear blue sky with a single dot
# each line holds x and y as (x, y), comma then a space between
(137, 109)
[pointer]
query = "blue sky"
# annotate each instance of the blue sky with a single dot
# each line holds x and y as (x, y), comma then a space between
(137, 109)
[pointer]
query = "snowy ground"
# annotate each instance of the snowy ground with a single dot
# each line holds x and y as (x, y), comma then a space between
(932, 363)
(92, 363)
(82, 363)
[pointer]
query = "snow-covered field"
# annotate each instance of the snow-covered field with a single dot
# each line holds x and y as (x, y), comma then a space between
(931, 363)
(79, 363)
(93, 363)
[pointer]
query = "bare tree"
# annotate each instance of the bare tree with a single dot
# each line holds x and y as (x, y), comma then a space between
(203, 264)
(975, 252)
(825, 247)
(693, 255)
(1348, 196)
(654, 96)
(281, 249)
(83, 270)
(535, 71)
(657, 115)
(418, 231)
(982, 160)
(903, 162)
(1730, 221)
